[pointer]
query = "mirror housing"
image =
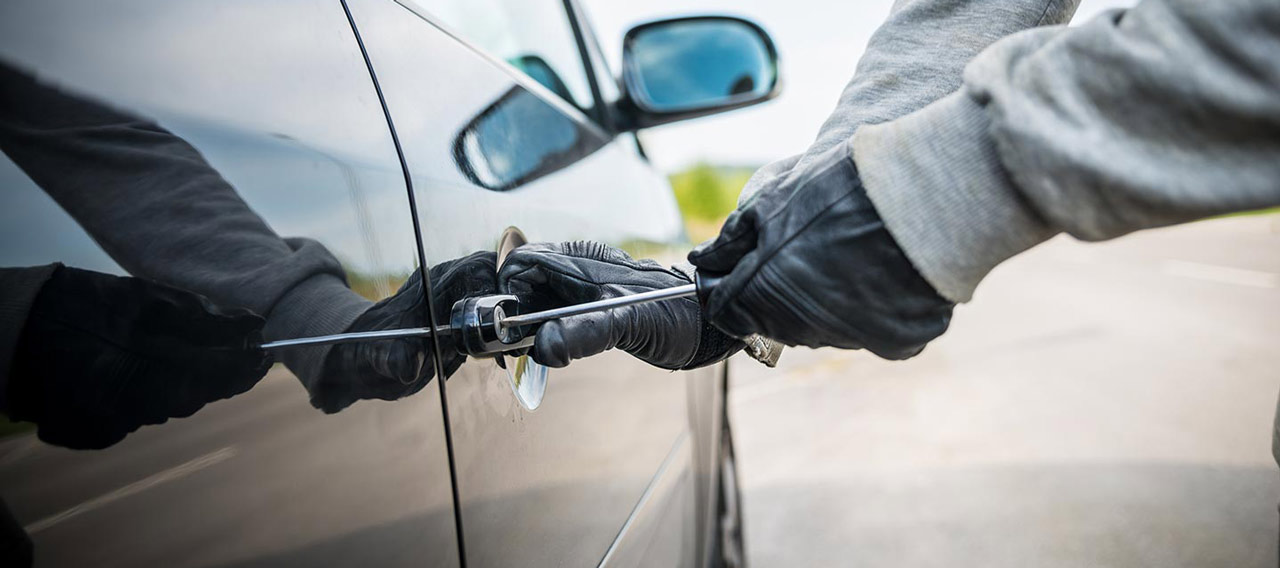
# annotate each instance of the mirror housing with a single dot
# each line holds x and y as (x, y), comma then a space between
(689, 67)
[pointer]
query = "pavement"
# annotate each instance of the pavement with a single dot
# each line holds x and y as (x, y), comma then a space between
(1095, 405)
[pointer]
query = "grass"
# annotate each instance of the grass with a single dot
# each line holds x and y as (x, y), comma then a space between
(375, 287)
(8, 428)
(1268, 211)
(706, 195)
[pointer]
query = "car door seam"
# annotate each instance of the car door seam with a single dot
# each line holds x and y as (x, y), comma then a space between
(426, 288)
(657, 478)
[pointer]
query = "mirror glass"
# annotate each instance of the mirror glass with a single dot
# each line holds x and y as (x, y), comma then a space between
(689, 64)
(519, 138)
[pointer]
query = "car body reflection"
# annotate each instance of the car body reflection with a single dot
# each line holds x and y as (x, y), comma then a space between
(277, 100)
(517, 139)
(389, 136)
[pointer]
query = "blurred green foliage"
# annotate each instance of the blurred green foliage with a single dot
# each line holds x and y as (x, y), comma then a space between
(706, 195)
(374, 286)
(8, 428)
(1267, 211)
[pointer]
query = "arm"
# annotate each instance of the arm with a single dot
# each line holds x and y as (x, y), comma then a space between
(163, 213)
(914, 58)
(159, 210)
(1166, 113)
(1163, 114)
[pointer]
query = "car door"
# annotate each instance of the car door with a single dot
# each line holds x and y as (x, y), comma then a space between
(494, 111)
(277, 98)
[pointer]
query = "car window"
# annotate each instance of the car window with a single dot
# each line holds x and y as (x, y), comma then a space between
(534, 36)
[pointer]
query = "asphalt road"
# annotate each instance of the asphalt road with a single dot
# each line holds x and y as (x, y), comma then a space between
(1096, 405)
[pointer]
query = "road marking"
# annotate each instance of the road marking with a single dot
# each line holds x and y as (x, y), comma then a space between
(134, 488)
(1221, 274)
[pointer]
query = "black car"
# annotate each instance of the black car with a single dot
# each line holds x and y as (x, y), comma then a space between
(396, 134)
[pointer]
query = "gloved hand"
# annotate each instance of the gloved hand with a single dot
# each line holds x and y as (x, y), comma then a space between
(809, 262)
(395, 368)
(101, 356)
(670, 334)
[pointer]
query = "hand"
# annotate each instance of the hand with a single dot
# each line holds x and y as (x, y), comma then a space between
(669, 334)
(101, 356)
(395, 368)
(809, 262)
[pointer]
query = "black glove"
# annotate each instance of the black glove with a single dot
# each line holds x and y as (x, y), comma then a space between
(809, 262)
(395, 368)
(669, 334)
(101, 356)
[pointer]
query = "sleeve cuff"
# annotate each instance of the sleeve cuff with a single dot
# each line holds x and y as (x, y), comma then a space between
(319, 305)
(936, 180)
(20, 287)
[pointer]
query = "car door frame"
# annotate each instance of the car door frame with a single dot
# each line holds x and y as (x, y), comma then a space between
(573, 112)
(601, 119)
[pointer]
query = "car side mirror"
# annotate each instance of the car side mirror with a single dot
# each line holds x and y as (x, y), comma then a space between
(519, 138)
(689, 67)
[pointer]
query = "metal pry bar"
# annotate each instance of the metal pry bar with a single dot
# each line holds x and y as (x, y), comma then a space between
(600, 305)
(357, 336)
(503, 322)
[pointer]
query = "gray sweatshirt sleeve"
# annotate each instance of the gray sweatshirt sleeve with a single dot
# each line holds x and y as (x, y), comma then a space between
(915, 58)
(163, 213)
(1161, 114)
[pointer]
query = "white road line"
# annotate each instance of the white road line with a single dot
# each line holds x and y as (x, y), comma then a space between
(134, 488)
(1221, 274)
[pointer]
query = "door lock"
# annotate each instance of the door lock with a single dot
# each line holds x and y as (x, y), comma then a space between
(488, 326)
(478, 325)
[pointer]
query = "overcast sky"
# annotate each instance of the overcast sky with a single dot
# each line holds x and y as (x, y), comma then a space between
(819, 42)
